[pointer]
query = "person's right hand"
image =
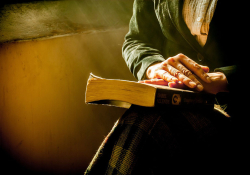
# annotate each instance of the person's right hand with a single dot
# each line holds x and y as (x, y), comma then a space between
(178, 71)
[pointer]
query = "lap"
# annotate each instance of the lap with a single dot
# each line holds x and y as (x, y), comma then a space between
(149, 140)
(172, 138)
(184, 127)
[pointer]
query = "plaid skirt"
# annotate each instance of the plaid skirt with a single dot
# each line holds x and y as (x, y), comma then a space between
(151, 141)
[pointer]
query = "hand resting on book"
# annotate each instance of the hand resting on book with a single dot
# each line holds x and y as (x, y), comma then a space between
(183, 73)
(218, 83)
(178, 69)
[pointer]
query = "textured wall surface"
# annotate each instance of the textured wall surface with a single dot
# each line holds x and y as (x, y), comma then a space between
(45, 126)
(36, 19)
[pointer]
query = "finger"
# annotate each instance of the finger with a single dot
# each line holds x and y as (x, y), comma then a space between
(155, 81)
(194, 67)
(181, 77)
(186, 73)
(199, 86)
(189, 74)
(177, 85)
(162, 74)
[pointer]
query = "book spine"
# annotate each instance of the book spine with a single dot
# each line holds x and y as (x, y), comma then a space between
(182, 99)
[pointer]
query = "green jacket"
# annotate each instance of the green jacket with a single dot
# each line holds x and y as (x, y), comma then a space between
(157, 31)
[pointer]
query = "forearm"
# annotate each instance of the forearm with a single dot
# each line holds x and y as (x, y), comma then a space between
(144, 42)
(138, 57)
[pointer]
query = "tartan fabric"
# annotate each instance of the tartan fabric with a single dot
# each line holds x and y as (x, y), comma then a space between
(157, 141)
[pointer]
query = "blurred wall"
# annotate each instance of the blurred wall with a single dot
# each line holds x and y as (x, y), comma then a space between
(39, 19)
(45, 126)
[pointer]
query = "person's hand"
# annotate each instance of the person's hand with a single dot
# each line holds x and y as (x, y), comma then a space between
(178, 71)
(218, 83)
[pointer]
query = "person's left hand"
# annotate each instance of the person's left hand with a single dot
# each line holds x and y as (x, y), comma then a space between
(176, 71)
(218, 83)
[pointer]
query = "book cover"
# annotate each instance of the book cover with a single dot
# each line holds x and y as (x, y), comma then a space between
(123, 93)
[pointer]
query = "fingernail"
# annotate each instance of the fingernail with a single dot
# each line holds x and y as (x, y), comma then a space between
(174, 79)
(199, 87)
(192, 84)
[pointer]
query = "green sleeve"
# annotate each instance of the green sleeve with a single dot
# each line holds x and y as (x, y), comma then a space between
(144, 42)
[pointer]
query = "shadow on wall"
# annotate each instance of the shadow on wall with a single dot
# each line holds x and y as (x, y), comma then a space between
(45, 125)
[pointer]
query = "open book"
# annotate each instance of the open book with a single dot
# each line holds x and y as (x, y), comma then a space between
(123, 93)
